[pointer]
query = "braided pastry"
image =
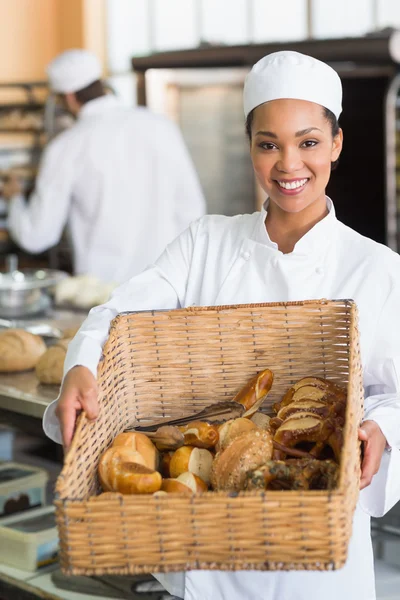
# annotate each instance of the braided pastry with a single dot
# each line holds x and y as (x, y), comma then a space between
(305, 428)
(319, 407)
(313, 388)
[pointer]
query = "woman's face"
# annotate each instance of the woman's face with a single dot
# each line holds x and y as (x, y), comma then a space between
(292, 149)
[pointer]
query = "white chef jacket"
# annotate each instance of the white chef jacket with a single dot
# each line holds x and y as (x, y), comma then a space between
(231, 260)
(122, 180)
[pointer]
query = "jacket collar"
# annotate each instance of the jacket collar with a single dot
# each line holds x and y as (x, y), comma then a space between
(315, 240)
(99, 106)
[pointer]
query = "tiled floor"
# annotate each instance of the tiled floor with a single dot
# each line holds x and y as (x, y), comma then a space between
(34, 451)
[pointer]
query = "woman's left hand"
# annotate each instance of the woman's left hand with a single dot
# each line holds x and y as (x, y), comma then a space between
(374, 443)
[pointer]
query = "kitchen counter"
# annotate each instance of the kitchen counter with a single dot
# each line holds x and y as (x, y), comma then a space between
(21, 392)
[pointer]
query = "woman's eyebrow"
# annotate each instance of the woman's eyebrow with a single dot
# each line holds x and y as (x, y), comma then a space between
(268, 134)
(272, 135)
(306, 131)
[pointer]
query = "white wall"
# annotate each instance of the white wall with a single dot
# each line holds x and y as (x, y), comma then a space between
(138, 27)
(279, 21)
(342, 18)
(127, 32)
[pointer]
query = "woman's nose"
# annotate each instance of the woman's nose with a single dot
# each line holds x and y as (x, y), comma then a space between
(289, 161)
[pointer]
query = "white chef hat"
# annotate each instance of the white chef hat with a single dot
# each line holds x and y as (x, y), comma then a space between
(288, 74)
(73, 70)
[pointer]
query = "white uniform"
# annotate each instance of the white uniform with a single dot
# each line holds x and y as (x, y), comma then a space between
(230, 260)
(123, 181)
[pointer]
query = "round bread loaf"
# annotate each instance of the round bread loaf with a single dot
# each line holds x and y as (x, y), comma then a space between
(49, 369)
(70, 332)
(19, 350)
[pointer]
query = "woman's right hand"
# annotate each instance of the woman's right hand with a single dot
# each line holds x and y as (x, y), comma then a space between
(78, 393)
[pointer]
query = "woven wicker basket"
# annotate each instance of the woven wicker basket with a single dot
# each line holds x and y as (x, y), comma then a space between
(160, 364)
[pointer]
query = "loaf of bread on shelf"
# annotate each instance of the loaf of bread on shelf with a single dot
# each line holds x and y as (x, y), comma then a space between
(20, 350)
(49, 369)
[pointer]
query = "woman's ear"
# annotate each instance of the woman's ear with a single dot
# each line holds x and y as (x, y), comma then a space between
(337, 146)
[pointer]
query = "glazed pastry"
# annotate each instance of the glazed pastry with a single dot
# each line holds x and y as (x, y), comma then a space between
(315, 389)
(140, 444)
(306, 428)
(200, 434)
(253, 394)
(122, 469)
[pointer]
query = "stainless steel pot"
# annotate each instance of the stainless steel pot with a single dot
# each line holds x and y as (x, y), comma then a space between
(25, 292)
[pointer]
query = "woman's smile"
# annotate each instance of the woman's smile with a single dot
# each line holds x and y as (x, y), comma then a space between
(291, 187)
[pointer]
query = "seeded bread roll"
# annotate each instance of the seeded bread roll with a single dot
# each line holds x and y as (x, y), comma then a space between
(245, 453)
(49, 369)
(19, 350)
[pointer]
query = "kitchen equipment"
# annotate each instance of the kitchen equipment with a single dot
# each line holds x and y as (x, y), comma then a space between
(22, 487)
(25, 292)
(29, 540)
(42, 329)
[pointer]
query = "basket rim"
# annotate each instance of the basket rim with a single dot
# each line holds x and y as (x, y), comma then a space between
(230, 496)
(210, 308)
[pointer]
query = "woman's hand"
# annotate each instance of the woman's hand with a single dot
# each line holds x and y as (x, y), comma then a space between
(78, 393)
(374, 443)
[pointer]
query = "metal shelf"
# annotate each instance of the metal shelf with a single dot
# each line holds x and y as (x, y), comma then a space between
(22, 106)
(11, 130)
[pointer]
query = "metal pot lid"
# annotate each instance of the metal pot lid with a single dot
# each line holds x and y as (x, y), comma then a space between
(29, 279)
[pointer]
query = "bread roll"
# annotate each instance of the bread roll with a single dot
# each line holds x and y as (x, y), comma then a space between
(70, 332)
(245, 453)
(230, 430)
(122, 469)
(173, 486)
(19, 350)
(200, 434)
(195, 483)
(195, 460)
(50, 367)
(261, 420)
(140, 443)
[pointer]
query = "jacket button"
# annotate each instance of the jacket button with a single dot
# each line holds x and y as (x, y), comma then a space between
(275, 262)
(246, 255)
(319, 271)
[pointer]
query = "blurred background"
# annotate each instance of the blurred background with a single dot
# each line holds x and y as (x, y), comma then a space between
(178, 56)
(187, 60)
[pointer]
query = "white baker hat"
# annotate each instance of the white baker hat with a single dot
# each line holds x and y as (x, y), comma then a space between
(288, 74)
(73, 70)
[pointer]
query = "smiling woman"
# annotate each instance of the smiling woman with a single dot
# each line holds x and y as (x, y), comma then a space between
(293, 249)
(292, 149)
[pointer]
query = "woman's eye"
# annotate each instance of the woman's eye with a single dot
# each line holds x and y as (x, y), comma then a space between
(267, 146)
(309, 143)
